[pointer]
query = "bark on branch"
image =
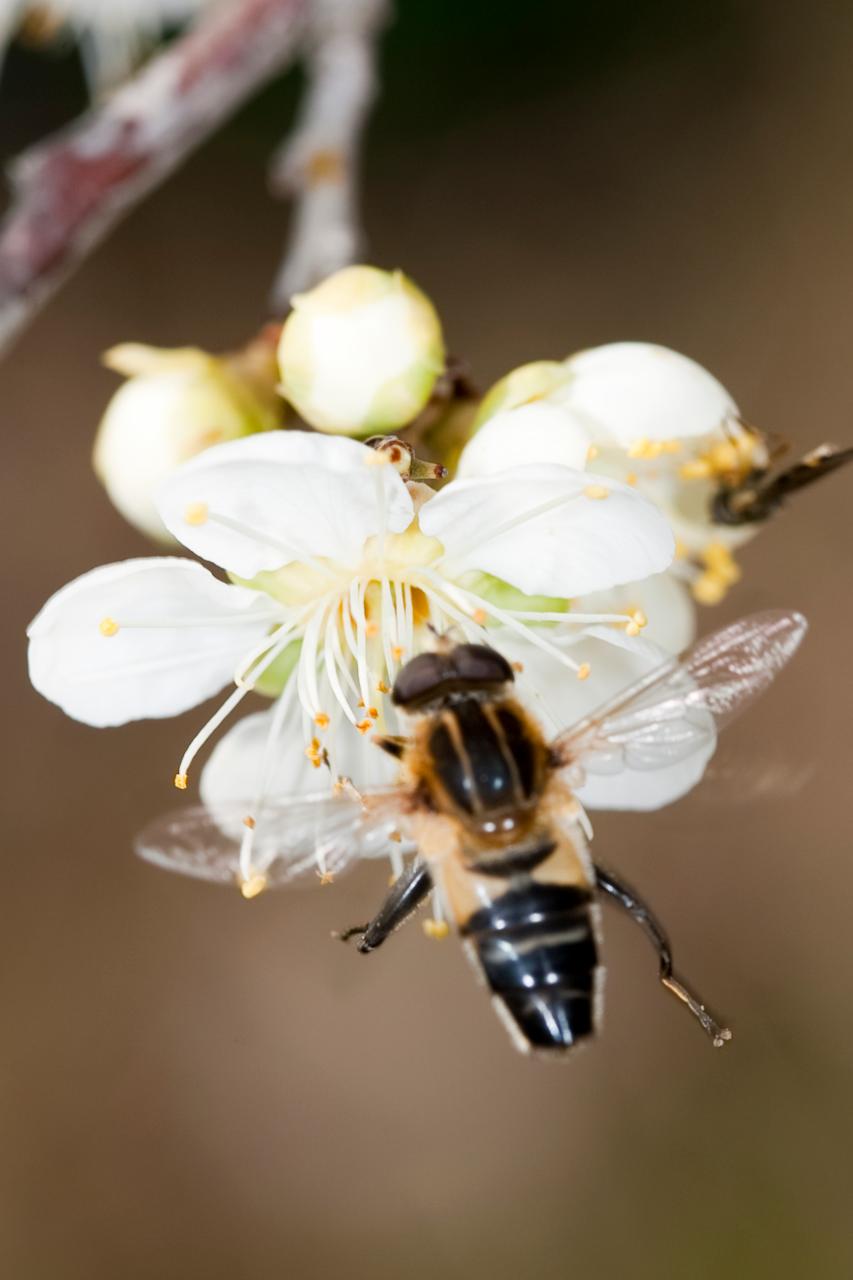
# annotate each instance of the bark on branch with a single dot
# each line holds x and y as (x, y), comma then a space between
(69, 191)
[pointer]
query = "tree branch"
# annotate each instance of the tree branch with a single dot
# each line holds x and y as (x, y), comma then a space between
(319, 161)
(69, 191)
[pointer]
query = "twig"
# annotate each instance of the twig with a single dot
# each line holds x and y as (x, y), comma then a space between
(318, 163)
(72, 189)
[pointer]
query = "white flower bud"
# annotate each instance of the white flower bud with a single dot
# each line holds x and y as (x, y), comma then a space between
(360, 354)
(537, 432)
(175, 404)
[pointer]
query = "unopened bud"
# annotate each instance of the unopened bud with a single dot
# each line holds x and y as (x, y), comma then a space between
(528, 383)
(175, 404)
(361, 353)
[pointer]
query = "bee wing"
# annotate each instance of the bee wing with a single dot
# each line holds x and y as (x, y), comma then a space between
(678, 709)
(280, 842)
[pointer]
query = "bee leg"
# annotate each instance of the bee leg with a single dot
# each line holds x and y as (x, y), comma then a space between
(407, 894)
(629, 900)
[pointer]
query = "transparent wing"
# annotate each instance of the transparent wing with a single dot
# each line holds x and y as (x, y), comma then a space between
(678, 709)
(283, 841)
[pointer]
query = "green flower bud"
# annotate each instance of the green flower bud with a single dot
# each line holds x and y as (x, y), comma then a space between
(175, 404)
(529, 382)
(361, 353)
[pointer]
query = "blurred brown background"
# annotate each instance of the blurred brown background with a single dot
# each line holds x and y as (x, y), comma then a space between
(197, 1086)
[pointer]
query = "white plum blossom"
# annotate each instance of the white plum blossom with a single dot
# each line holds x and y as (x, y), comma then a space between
(340, 571)
(649, 417)
(360, 354)
(174, 404)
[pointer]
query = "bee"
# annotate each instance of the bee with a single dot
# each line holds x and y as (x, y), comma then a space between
(752, 494)
(486, 804)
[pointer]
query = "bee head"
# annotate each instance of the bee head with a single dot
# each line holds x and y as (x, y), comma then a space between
(466, 668)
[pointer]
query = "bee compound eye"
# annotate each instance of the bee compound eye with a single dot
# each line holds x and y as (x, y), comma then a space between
(477, 664)
(419, 678)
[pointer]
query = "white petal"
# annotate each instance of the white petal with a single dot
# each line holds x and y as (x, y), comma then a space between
(538, 432)
(559, 700)
(236, 774)
(582, 543)
(635, 391)
(663, 598)
(283, 496)
(146, 672)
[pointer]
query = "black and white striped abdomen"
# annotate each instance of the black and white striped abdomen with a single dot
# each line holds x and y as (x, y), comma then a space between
(536, 946)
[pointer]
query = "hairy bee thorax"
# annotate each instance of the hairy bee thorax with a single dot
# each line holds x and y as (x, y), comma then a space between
(483, 760)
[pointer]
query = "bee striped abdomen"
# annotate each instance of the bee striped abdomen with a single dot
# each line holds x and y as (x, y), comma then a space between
(536, 945)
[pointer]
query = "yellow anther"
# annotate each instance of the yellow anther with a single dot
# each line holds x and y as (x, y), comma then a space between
(592, 453)
(583, 671)
(640, 618)
(646, 448)
(709, 588)
(632, 629)
(251, 887)
(364, 726)
(361, 703)
(371, 630)
(108, 627)
(720, 561)
(397, 652)
(196, 513)
(373, 712)
(596, 491)
(181, 780)
(681, 551)
(517, 666)
(697, 469)
(631, 478)
(321, 720)
(436, 929)
(480, 616)
(382, 687)
(249, 822)
(326, 877)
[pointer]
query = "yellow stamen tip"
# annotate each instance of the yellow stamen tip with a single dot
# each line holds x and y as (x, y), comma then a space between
(196, 513)
(640, 618)
(382, 687)
(253, 886)
(479, 616)
(364, 726)
(326, 877)
(249, 822)
(583, 671)
(371, 630)
(632, 629)
(709, 588)
(181, 781)
(436, 929)
(592, 453)
(631, 478)
(397, 652)
(321, 720)
(698, 469)
(596, 491)
(517, 666)
(681, 551)
(108, 627)
(373, 712)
